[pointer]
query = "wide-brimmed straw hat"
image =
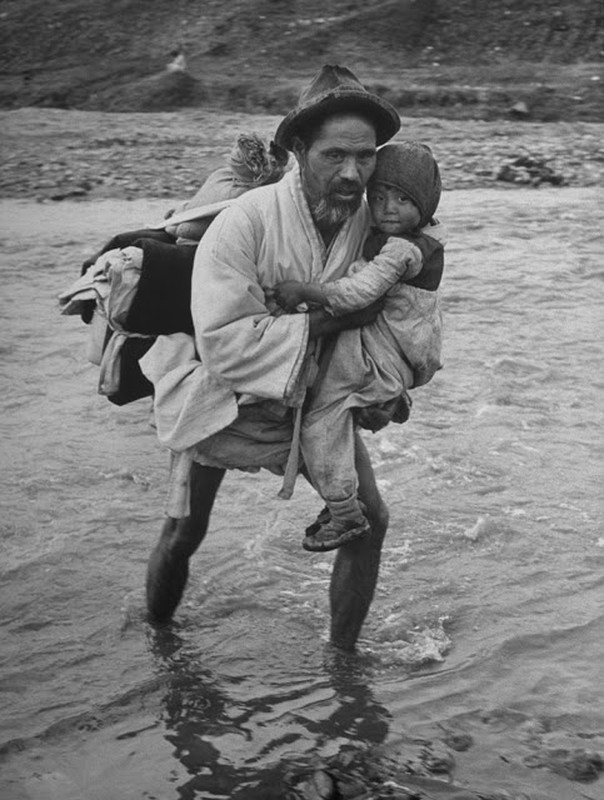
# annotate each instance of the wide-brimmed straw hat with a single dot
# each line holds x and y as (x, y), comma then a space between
(335, 89)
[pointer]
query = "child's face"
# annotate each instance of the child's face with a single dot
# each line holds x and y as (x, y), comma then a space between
(392, 211)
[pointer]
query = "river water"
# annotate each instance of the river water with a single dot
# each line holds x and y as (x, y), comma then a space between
(487, 624)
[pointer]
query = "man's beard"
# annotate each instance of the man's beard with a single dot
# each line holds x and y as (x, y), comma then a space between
(329, 209)
(332, 211)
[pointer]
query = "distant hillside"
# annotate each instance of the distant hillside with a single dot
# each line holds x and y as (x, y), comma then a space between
(462, 56)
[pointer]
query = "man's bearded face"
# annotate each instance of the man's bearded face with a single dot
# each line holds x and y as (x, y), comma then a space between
(336, 167)
(334, 208)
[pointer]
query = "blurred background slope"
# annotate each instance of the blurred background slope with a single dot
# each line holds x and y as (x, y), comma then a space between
(463, 58)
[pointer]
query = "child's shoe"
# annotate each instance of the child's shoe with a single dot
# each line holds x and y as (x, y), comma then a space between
(323, 517)
(335, 533)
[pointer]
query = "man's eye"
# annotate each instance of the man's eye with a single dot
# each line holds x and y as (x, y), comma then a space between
(335, 157)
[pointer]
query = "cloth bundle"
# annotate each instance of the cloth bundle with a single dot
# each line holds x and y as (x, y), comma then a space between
(136, 291)
(250, 164)
(253, 165)
(139, 292)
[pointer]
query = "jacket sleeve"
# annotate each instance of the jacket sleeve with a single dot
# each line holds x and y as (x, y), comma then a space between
(237, 338)
(398, 260)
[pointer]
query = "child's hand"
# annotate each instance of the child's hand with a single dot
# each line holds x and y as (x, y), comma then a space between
(289, 294)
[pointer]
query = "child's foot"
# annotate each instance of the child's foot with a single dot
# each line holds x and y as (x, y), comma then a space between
(333, 534)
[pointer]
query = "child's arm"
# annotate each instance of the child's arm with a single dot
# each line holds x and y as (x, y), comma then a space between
(398, 260)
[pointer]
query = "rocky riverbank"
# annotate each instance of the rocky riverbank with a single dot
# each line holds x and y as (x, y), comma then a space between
(52, 154)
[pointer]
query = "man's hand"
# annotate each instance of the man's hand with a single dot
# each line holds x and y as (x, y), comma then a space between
(289, 294)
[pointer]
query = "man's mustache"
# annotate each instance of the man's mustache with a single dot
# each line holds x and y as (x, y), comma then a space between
(346, 187)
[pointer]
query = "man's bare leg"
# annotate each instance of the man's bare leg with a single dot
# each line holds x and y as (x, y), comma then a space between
(356, 566)
(168, 567)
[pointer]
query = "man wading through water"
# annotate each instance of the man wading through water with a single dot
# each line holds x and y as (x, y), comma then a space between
(309, 226)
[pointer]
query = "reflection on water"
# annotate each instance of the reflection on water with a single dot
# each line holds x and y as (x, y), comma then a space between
(195, 709)
(201, 720)
(486, 629)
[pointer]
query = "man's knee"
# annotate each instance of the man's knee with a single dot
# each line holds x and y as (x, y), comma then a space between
(380, 518)
(205, 482)
(179, 537)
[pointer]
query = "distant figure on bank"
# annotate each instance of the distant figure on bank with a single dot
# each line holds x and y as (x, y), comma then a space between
(178, 62)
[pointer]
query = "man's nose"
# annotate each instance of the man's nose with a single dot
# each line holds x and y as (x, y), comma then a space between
(350, 170)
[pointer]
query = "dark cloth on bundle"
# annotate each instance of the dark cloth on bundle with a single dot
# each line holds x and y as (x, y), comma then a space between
(117, 243)
(162, 304)
(129, 238)
(133, 385)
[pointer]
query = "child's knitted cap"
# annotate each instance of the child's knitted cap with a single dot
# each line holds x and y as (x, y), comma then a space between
(410, 167)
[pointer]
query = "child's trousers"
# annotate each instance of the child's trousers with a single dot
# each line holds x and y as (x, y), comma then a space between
(351, 378)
